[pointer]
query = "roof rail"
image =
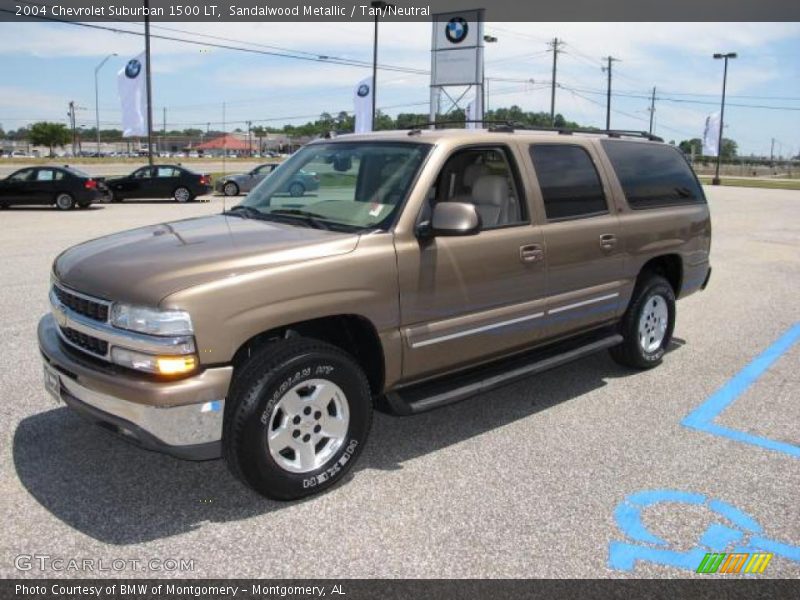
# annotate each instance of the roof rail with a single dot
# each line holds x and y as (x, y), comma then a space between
(511, 126)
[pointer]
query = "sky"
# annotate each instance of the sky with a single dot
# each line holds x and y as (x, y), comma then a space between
(45, 65)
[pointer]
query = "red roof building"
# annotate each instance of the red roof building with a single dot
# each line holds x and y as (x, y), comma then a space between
(227, 142)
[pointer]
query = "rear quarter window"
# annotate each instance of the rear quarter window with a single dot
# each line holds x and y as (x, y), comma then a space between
(653, 175)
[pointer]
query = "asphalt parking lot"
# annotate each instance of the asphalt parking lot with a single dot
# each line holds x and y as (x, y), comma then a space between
(585, 471)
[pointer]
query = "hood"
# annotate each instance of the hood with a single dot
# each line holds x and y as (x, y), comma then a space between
(144, 265)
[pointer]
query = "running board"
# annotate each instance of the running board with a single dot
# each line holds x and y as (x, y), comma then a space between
(453, 388)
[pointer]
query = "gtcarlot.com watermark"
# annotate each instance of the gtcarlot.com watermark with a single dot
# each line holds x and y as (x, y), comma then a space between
(64, 564)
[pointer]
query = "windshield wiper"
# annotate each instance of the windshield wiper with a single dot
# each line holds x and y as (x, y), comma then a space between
(312, 219)
(244, 211)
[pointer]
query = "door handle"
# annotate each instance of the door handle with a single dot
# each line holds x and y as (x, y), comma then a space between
(608, 241)
(531, 253)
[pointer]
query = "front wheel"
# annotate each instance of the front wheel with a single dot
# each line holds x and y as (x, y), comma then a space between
(647, 324)
(296, 419)
(297, 189)
(230, 189)
(182, 194)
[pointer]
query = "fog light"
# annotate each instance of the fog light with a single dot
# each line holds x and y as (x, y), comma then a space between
(163, 365)
(175, 365)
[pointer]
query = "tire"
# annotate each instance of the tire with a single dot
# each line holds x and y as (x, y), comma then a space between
(230, 189)
(275, 392)
(182, 194)
(112, 198)
(64, 201)
(647, 324)
(297, 189)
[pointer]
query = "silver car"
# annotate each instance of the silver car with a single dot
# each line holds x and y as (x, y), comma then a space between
(232, 185)
(241, 183)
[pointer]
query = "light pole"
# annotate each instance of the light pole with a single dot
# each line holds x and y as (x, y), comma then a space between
(715, 180)
(489, 39)
(97, 100)
(378, 5)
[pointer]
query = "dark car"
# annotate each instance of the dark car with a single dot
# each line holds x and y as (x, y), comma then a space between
(237, 183)
(64, 187)
(159, 181)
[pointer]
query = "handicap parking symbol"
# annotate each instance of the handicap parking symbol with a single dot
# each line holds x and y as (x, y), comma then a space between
(733, 531)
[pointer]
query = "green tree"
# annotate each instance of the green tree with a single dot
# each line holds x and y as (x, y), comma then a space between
(259, 132)
(730, 148)
(49, 134)
(686, 146)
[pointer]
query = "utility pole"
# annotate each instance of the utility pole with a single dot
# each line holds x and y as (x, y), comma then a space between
(610, 60)
(71, 115)
(652, 109)
(725, 57)
(164, 128)
(554, 45)
(249, 139)
(149, 83)
(772, 152)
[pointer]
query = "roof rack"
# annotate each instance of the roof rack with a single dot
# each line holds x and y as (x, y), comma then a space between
(511, 126)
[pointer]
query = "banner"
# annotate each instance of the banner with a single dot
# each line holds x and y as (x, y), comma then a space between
(362, 100)
(469, 115)
(711, 135)
(132, 86)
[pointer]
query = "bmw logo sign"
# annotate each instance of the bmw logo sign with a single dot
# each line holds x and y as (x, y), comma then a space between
(133, 68)
(456, 30)
(363, 90)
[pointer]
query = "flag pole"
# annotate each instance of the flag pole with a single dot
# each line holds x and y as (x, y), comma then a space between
(149, 86)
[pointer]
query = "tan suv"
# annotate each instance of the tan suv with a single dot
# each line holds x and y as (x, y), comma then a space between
(430, 265)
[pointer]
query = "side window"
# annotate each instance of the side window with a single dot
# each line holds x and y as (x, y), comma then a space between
(652, 175)
(24, 175)
(142, 173)
(58, 175)
(484, 177)
(569, 182)
(45, 175)
(166, 172)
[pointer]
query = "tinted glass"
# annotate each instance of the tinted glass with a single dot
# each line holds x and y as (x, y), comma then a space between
(24, 175)
(44, 175)
(167, 172)
(653, 175)
(568, 180)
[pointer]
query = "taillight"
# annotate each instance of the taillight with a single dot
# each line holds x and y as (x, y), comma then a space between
(90, 184)
(204, 180)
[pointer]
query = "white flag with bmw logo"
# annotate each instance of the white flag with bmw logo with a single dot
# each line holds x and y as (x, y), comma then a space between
(711, 135)
(133, 95)
(362, 99)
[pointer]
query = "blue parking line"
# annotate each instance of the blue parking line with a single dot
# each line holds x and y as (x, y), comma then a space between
(703, 416)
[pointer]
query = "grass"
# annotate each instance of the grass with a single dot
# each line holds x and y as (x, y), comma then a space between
(772, 184)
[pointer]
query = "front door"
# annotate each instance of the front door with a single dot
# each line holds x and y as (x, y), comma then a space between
(463, 299)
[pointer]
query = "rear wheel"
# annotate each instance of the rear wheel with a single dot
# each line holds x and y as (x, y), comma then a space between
(297, 189)
(647, 324)
(65, 201)
(230, 189)
(296, 419)
(182, 194)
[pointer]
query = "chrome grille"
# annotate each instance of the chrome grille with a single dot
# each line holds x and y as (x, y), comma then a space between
(83, 305)
(86, 342)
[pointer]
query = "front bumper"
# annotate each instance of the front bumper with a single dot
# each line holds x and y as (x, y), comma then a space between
(182, 418)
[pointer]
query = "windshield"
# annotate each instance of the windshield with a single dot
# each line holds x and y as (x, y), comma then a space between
(344, 185)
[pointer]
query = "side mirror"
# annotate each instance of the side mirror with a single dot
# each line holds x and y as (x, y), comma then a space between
(453, 219)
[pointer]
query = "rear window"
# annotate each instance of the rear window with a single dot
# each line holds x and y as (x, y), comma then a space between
(653, 175)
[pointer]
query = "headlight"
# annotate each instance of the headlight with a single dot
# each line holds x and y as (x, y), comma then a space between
(150, 320)
(161, 365)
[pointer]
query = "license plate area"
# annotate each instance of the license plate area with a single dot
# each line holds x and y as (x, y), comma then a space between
(52, 382)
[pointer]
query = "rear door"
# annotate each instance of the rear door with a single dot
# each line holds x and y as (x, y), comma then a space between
(43, 186)
(166, 180)
(581, 230)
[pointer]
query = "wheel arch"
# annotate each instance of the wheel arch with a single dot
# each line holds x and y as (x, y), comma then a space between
(669, 266)
(352, 333)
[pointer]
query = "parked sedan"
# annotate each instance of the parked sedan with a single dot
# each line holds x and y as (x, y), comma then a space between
(235, 184)
(63, 187)
(159, 181)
